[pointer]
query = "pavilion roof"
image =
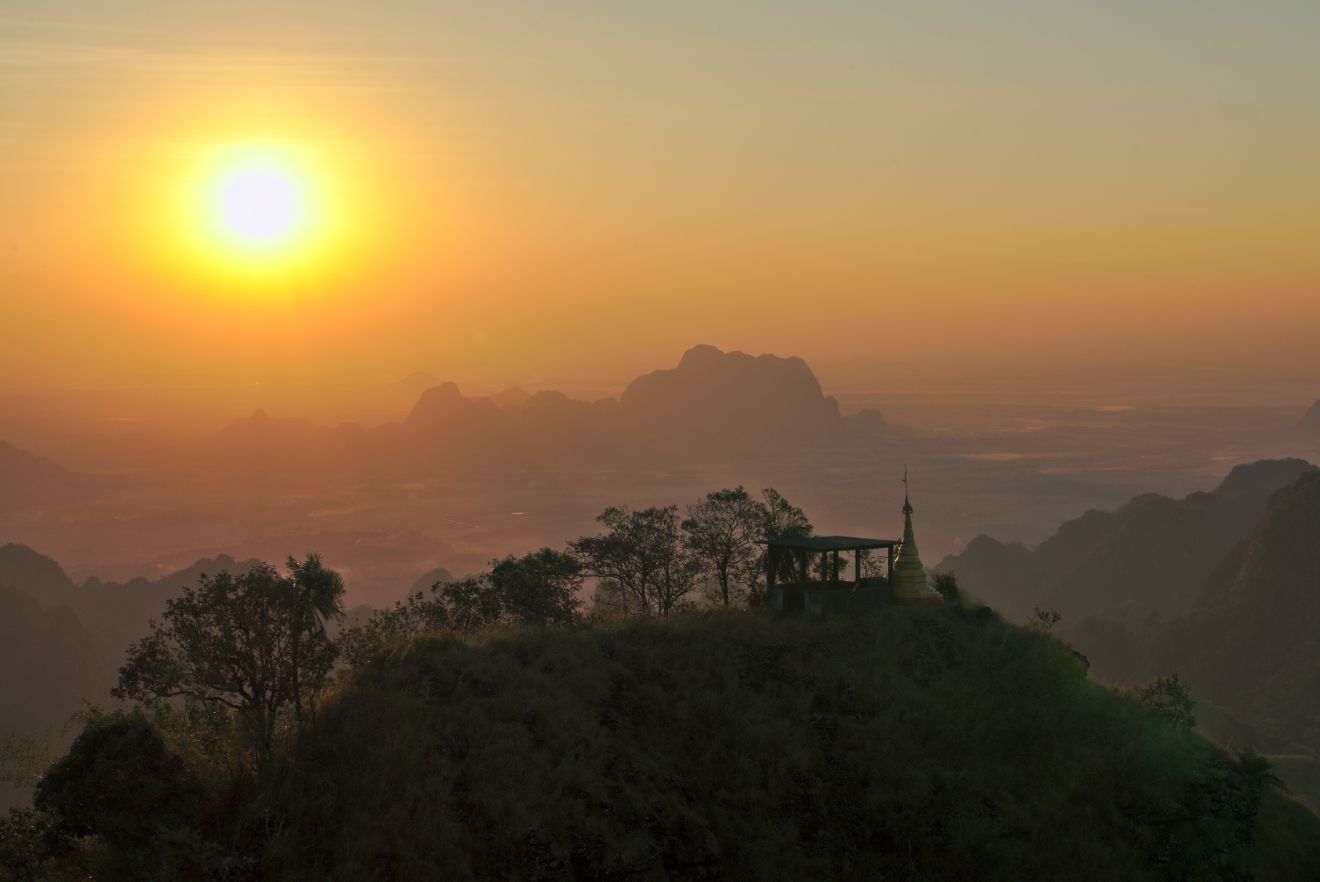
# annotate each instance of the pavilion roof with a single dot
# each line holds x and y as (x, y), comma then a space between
(829, 543)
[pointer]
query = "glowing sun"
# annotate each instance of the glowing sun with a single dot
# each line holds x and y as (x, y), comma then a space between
(259, 203)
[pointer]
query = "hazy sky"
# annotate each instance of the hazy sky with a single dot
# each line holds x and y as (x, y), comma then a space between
(1056, 191)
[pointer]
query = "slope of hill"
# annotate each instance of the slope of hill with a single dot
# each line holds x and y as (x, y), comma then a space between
(35, 574)
(906, 744)
(1151, 557)
(1253, 640)
(47, 669)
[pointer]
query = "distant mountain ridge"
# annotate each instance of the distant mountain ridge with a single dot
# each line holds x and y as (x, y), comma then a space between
(27, 479)
(711, 403)
(1150, 557)
(1310, 422)
(1221, 587)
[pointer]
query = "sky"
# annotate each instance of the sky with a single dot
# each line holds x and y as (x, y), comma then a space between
(1114, 194)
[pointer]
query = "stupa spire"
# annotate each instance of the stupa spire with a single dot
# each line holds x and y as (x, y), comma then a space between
(909, 573)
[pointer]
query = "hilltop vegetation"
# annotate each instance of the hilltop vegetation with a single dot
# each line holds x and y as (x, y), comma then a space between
(905, 743)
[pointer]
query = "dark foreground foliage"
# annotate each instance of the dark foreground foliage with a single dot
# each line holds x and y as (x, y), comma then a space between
(904, 744)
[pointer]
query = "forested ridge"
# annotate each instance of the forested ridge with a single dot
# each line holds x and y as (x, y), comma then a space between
(501, 726)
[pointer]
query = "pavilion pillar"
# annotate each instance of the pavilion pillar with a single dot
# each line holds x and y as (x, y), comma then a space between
(857, 566)
(889, 570)
(824, 567)
(834, 567)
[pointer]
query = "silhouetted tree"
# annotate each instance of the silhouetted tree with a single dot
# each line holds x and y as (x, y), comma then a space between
(539, 588)
(644, 553)
(1043, 619)
(318, 595)
(1171, 700)
(946, 586)
(421, 612)
(122, 783)
(230, 640)
(535, 589)
(722, 530)
(28, 839)
(780, 520)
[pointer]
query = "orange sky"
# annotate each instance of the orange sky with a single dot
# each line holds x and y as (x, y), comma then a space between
(517, 192)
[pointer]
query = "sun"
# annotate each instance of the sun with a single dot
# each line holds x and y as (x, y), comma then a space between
(260, 204)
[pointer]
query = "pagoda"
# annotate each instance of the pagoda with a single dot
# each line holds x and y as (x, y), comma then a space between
(909, 574)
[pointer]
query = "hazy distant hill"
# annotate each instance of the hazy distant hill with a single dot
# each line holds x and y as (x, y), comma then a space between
(711, 402)
(35, 574)
(47, 664)
(69, 639)
(1221, 587)
(731, 398)
(28, 480)
(1150, 557)
(1253, 640)
(1310, 422)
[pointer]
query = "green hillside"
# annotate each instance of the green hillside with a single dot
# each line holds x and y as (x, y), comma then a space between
(905, 744)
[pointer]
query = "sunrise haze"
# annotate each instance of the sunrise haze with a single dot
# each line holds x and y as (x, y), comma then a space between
(1120, 196)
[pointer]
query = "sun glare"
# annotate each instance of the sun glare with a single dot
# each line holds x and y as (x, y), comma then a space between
(260, 206)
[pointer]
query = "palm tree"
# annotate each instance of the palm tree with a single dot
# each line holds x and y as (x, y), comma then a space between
(318, 596)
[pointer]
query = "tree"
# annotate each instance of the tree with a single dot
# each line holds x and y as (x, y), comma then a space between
(418, 613)
(722, 530)
(644, 553)
(1171, 700)
(535, 589)
(318, 595)
(1044, 619)
(946, 586)
(245, 642)
(780, 520)
(122, 783)
(539, 588)
(28, 840)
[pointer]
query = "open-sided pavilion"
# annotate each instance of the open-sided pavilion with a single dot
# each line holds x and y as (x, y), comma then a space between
(798, 593)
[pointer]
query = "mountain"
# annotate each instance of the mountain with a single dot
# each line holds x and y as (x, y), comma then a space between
(731, 398)
(1252, 642)
(511, 399)
(903, 744)
(1150, 557)
(1310, 422)
(47, 664)
(36, 575)
(712, 402)
(1221, 587)
(47, 669)
(422, 584)
(116, 613)
(104, 617)
(28, 480)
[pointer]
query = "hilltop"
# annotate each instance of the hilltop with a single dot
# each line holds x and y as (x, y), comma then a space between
(904, 744)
